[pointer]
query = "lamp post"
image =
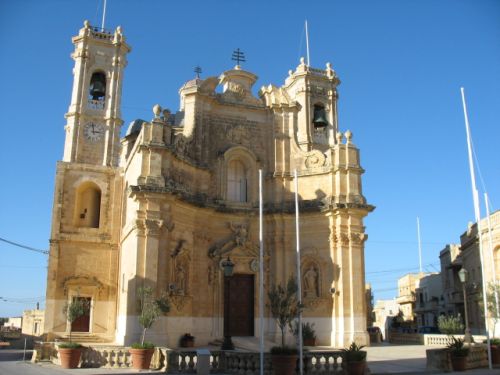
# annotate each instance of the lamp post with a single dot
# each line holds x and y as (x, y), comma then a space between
(463, 275)
(228, 267)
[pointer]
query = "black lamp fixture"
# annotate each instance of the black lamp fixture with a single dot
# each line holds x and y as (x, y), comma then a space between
(228, 267)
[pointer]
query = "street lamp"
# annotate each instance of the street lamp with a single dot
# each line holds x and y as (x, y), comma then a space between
(228, 267)
(463, 275)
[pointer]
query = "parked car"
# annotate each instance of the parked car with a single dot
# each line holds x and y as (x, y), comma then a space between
(428, 329)
(375, 334)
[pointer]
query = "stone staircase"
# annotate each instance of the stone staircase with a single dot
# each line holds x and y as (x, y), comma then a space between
(84, 338)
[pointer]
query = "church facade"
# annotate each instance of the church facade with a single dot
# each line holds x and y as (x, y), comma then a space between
(173, 199)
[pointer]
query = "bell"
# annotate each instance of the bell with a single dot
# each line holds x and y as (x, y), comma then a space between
(320, 120)
(97, 86)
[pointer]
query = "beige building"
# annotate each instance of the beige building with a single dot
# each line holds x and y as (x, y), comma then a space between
(428, 300)
(383, 310)
(406, 294)
(33, 321)
(167, 204)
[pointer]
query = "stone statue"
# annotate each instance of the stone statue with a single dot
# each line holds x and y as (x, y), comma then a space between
(311, 283)
(181, 280)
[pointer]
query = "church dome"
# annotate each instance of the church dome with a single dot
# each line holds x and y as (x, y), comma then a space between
(134, 127)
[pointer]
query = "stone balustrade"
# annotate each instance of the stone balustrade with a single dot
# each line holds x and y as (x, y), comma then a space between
(440, 359)
(444, 340)
(184, 362)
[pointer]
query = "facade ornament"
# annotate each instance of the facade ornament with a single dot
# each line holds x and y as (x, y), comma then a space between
(153, 226)
(157, 111)
(348, 136)
(315, 159)
(79, 281)
(358, 238)
(339, 137)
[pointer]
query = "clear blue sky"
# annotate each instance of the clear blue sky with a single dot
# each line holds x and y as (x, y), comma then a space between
(401, 64)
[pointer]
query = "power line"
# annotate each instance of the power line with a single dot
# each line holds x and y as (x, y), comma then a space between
(24, 246)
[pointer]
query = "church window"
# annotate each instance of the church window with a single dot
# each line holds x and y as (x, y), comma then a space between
(88, 206)
(236, 182)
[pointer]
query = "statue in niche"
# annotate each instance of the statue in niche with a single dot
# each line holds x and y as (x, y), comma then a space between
(240, 233)
(180, 280)
(311, 283)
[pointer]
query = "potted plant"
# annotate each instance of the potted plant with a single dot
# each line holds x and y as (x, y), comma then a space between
(355, 359)
(285, 307)
(150, 309)
(458, 353)
(495, 350)
(308, 333)
(187, 340)
(70, 352)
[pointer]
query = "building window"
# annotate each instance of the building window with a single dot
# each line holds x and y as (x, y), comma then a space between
(237, 182)
(88, 206)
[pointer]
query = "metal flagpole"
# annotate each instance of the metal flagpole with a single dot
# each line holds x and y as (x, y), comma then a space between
(103, 16)
(307, 46)
(490, 246)
(477, 214)
(261, 277)
(419, 245)
(299, 282)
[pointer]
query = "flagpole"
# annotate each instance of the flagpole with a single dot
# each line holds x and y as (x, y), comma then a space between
(299, 282)
(477, 214)
(419, 245)
(307, 45)
(103, 16)
(261, 276)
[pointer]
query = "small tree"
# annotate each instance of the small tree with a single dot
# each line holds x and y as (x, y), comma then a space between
(492, 301)
(76, 308)
(450, 324)
(285, 306)
(150, 309)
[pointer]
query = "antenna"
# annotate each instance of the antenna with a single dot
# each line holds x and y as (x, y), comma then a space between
(307, 46)
(103, 15)
(419, 245)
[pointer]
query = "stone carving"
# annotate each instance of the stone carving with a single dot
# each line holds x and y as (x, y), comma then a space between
(357, 238)
(240, 233)
(157, 110)
(311, 282)
(315, 159)
(180, 145)
(179, 274)
(239, 135)
(81, 280)
(254, 265)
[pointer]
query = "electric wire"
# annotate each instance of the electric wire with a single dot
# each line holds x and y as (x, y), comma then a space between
(24, 246)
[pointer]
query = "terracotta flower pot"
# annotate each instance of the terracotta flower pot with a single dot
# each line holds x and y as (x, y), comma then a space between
(495, 354)
(309, 342)
(70, 358)
(356, 367)
(141, 358)
(284, 364)
(187, 343)
(458, 363)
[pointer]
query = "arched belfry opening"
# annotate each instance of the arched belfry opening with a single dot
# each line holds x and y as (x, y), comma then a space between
(87, 206)
(97, 87)
(237, 181)
(319, 116)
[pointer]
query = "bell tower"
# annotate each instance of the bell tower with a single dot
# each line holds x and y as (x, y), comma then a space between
(94, 117)
(315, 90)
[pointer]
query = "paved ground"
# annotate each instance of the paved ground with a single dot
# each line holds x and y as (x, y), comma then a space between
(383, 359)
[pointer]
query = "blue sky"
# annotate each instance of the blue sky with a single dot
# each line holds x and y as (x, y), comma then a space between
(401, 64)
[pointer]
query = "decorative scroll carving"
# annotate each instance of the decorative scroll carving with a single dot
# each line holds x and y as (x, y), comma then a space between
(315, 159)
(81, 280)
(238, 238)
(180, 271)
(358, 238)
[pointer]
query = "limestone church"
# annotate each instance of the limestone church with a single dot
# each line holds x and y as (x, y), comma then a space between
(174, 198)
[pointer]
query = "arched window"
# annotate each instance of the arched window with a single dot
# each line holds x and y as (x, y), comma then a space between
(88, 206)
(236, 181)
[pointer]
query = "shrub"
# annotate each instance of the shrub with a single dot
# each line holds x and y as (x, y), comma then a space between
(70, 345)
(308, 331)
(450, 324)
(457, 348)
(354, 353)
(283, 350)
(144, 345)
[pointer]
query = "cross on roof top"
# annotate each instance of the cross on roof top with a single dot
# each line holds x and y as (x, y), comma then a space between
(238, 56)
(197, 70)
